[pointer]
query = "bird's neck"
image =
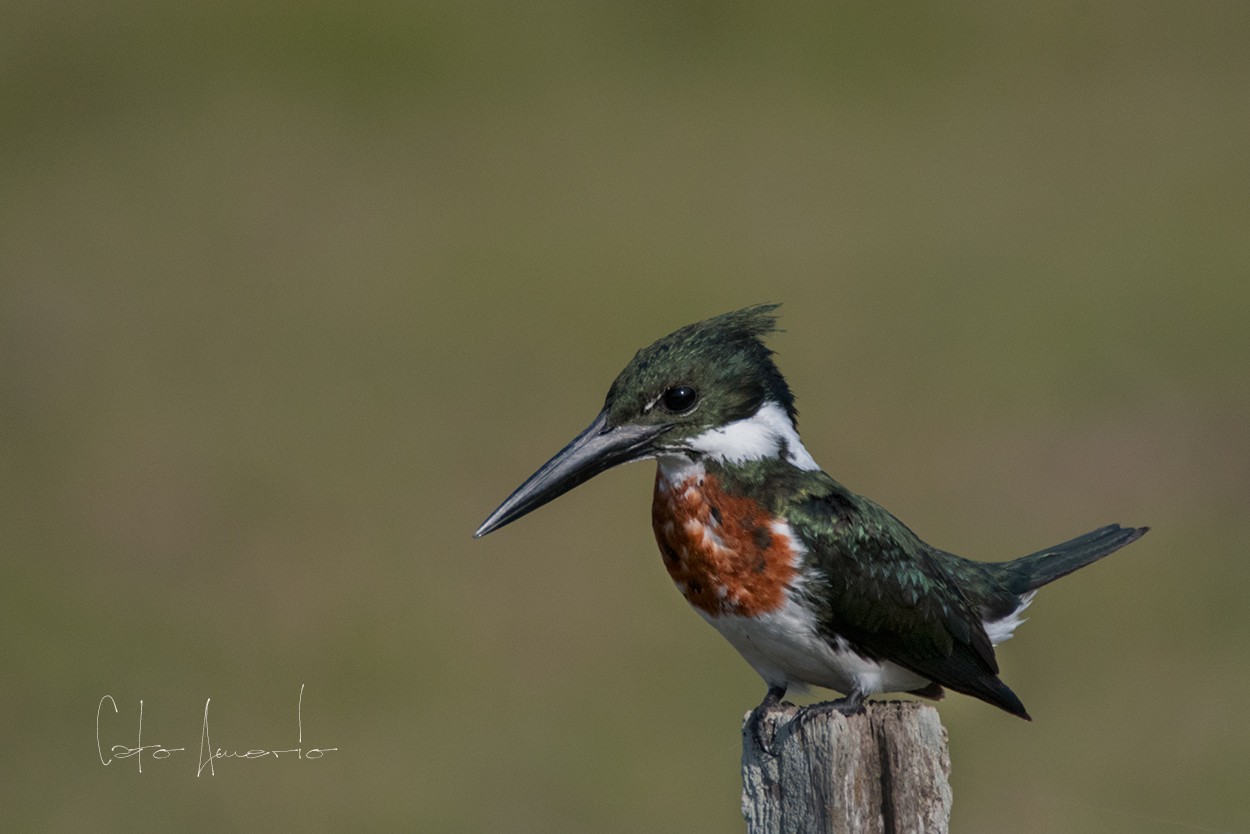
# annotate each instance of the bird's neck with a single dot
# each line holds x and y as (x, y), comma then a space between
(767, 434)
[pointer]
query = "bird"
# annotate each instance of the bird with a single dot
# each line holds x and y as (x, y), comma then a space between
(813, 584)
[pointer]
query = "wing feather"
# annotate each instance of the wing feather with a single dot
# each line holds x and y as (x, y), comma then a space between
(886, 592)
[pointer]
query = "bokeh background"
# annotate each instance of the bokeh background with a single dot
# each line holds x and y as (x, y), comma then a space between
(292, 294)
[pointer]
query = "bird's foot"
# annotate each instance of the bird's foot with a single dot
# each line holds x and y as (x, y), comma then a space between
(852, 704)
(755, 720)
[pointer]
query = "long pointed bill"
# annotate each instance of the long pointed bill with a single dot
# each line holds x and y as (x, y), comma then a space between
(595, 450)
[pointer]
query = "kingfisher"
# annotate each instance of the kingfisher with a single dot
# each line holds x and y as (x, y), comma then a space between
(813, 584)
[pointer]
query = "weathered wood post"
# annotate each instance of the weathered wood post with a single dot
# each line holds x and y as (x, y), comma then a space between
(883, 771)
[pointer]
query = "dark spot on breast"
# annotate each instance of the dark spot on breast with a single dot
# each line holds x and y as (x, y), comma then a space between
(669, 553)
(761, 564)
(716, 514)
(762, 536)
(694, 587)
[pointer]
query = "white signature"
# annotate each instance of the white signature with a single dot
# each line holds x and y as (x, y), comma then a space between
(209, 755)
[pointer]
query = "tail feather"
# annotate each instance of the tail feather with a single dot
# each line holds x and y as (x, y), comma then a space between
(1028, 573)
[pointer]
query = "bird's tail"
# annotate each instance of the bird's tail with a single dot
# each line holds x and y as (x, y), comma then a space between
(1028, 573)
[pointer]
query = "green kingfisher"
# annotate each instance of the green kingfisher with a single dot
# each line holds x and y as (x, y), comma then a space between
(810, 582)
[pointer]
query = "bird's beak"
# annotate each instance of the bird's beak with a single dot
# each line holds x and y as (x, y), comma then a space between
(598, 448)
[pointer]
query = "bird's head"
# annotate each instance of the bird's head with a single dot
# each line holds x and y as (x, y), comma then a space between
(710, 388)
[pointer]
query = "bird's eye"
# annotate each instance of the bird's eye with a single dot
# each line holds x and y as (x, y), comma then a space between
(679, 399)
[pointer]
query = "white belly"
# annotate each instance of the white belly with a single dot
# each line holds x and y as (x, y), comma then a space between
(786, 649)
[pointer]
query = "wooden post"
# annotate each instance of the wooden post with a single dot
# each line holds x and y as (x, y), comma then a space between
(883, 771)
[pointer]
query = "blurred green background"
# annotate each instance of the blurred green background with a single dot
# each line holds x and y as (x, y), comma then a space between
(293, 294)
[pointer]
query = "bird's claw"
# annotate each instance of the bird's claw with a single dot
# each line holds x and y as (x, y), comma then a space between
(755, 721)
(852, 704)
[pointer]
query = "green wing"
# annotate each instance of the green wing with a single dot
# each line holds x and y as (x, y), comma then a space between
(889, 594)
